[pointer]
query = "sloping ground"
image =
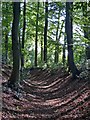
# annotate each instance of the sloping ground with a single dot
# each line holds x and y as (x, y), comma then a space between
(46, 95)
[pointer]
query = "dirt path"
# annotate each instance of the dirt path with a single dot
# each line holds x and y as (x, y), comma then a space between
(47, 96)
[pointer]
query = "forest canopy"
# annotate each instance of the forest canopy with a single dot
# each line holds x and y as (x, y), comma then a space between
(49, 34)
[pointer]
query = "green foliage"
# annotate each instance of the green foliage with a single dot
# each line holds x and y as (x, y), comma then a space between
(79, 41)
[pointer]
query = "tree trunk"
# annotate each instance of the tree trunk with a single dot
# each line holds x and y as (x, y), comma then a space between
(6, 39)
(45, 31)
(6, 48)
(23, 34)
(69, 34)
(57, 39)
(41, 50)
(63, 56)
(15, 45)
(36, 40)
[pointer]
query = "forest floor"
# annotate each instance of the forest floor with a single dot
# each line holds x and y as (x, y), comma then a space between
(46, 95)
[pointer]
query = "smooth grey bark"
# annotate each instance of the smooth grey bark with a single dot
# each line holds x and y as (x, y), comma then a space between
(57, 39)
(36, 40)
(41, 50)
(6, 40)
(45, 31)
(6, 48)
(69, 33)
(23, 34)
(64, 48)
(15, 46)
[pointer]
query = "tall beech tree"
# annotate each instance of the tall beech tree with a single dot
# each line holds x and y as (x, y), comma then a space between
(6, 39)
(6, 47)
(36, 39)
(69, 33)
(23, 33)
(45, 31)
(57, 38)
(42, 49)
(64, 56)
(15, 45)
